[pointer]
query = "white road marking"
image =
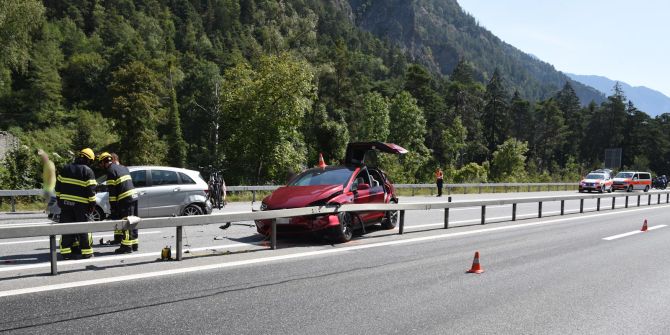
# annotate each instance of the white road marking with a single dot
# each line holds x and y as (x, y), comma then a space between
(118, 257)
(141, 232)
(610, 238)
(293, 256)
(493, 218)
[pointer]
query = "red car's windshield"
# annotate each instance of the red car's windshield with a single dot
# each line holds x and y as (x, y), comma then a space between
(338, 175)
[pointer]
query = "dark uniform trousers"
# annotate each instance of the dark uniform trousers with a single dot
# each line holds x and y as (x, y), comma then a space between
(75, 243)
(124, 209)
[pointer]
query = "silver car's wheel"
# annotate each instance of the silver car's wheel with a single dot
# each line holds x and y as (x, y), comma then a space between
(97, 215)
(192, 210)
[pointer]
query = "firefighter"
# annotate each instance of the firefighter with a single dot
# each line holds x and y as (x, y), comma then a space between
(75, 193)
(122, 198)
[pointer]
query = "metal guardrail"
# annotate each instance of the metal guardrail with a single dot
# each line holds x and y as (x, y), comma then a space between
(449, 188)
(52, 229)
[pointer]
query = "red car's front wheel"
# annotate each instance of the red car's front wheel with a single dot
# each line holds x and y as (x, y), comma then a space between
(345, 230)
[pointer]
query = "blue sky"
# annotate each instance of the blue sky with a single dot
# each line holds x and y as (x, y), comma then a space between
(622, 40)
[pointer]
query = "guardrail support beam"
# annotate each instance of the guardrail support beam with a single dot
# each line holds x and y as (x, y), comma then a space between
(613, 202)
(539, 209)
(446, 218)
(402, 222)
(598, 204)
(12, 200)
(53, 255)
(562, 207)
(273, 235)
(581, 205)
(483, 214)
(180, 231)
(626, 201)
(513, 212)
(649, 200)
(659, 199)
(638, 200)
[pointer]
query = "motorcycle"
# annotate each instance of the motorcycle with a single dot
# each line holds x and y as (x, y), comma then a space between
(659, 183)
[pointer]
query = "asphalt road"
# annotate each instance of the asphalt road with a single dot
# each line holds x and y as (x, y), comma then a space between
(591, 273)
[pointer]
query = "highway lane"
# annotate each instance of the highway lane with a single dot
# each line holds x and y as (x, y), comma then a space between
(29, 256)
(556, 275)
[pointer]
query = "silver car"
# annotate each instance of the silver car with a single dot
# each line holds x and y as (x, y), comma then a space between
(161, 190)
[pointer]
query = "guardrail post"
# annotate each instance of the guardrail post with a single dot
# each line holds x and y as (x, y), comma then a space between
(638, 200)
(273, 237)
(539, 209)
(12, 200)
(667, 198)
(53, 255)
(581, 205)
(513, 212)
(448, 192)
(180, 231)
(505, 188)
(402, 222)
(613, 202)
(626, 201)
(253, 196)
(446, 215)
(483, 214)
(562, 207)
(598, 204)
(659, 199)
(649, 200)
(480, 189)
(528, 188)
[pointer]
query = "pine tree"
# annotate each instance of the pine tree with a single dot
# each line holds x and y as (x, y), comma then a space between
(496, 119)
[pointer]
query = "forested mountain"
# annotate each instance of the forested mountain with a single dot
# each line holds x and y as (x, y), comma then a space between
(258, 88)
(650, 101)
(437, 33)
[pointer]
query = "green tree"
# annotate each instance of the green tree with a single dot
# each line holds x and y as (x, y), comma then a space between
(575, 122)
(371, 120)
(496, 119)
(18, 20)
(550, 134)
(136, 107)
(176, 151)
(265, 107)
(508, 163)
(407, 129)
(522, 118)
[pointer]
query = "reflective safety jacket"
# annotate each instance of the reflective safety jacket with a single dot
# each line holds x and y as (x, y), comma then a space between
(76, 185)
(119, 185)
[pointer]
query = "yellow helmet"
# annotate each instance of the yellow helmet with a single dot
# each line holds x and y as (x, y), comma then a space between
(87, 153)
(104, 156)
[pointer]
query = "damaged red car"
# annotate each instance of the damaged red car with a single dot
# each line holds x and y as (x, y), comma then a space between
(358, 181)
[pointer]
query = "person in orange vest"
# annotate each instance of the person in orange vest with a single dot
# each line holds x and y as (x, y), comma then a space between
(439, 179)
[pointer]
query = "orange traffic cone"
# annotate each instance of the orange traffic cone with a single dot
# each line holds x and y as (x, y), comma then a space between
(322, 164)
(644, 225)
(476, 268)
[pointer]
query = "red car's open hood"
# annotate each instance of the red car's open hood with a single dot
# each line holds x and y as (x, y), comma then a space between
(299, 196)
